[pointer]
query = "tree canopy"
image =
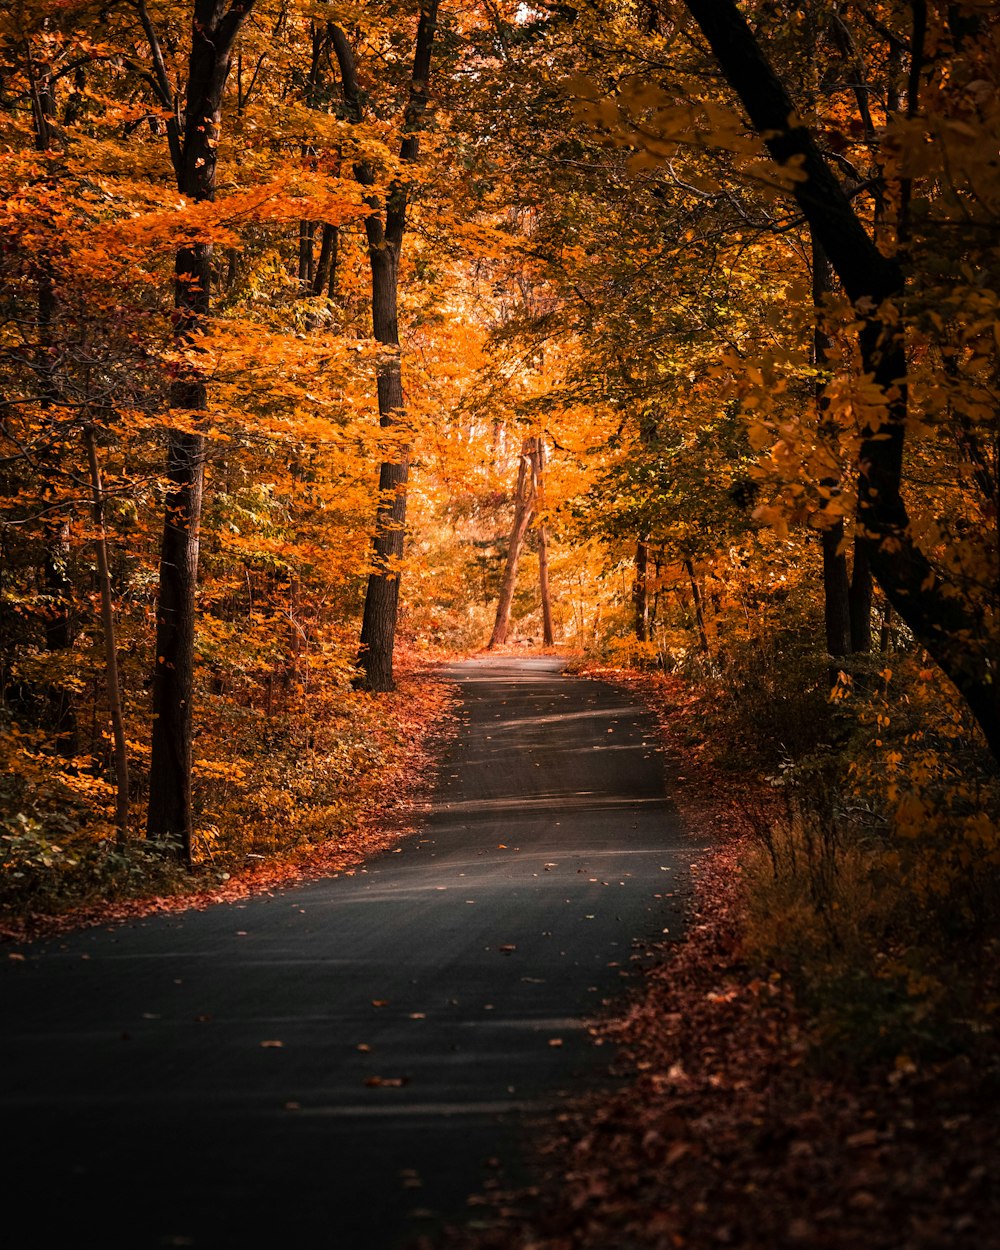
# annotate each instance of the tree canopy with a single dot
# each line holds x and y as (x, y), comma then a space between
(291, 290)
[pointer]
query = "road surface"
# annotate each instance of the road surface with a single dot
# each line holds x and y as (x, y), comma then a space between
(340, 1065)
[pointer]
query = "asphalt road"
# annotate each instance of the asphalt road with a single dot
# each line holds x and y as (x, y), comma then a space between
(209, 1079)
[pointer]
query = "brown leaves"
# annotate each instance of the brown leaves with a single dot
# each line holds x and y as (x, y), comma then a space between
(724, 1136)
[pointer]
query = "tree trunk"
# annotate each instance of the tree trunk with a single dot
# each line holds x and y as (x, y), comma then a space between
(861, 599)
(325, 277)
(385, 239)
(640, 591)
(306, 230)
(110, 642)
(378, 625)
(538, 483)
(699, 611)
(952, 626)
(170, 816)
(523, 509)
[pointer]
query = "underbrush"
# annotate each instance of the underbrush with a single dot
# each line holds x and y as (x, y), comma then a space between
(872, 882)
(874, 885)
(266, 789)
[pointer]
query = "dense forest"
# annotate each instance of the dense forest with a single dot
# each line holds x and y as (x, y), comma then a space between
(665, 333)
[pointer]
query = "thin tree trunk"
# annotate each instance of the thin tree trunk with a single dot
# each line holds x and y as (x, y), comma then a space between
(699, 611)
(325, 277)
(306, 231)
(885, 633)
(523, 509)
(640, 590)
(58, 624)
(170, 816)
(538, 481)
(110, 641)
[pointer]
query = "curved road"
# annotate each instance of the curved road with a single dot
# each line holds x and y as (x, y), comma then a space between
(340, 1065)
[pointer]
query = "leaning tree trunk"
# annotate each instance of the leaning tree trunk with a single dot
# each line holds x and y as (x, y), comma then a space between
(944, 618)
(523, 509)
(538, 483)
(170, 817)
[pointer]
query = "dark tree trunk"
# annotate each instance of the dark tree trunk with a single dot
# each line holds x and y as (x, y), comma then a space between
(170, 818)
(325, 277)
(836, 592)
(861, 599)
(699, 610)
(385, 231)
(378, 625)
(953, 628)
(640, 590)
(306, 255)
(524, 497)
(58, 623)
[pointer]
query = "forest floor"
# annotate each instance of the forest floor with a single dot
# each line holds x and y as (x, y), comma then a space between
(732, 1125)
(390, 808)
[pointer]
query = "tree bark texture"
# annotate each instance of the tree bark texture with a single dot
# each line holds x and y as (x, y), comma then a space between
(385, 227)
(941, 616)
(524, 499)
(640, 590)
(170, 818)
(538, 482)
